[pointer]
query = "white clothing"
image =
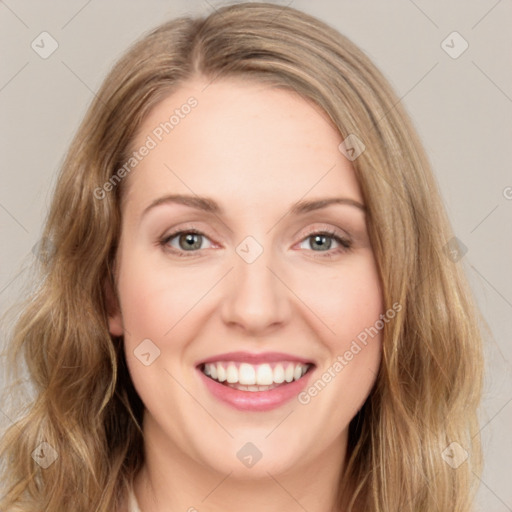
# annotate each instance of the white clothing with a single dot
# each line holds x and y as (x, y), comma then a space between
(133, 506)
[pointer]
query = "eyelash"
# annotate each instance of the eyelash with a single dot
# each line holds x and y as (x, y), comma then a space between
(345, 243)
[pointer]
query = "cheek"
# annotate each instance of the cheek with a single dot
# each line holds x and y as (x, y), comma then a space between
(351, 306)
(155, 298)
(347, 301)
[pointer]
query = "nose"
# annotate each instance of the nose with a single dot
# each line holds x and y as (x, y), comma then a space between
(256, 299)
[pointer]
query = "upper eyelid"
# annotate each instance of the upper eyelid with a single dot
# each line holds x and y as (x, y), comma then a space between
(346, 244)
(330, 231)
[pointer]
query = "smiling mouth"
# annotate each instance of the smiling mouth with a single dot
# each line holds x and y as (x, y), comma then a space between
(255, 377)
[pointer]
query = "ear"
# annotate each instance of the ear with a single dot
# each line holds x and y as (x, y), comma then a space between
(115, 319)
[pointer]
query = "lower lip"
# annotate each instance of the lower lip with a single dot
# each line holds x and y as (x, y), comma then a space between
(256, 400)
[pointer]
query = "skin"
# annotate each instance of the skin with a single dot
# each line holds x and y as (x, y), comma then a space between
(256, 151)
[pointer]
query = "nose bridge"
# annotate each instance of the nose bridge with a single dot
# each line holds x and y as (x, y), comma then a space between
(256, 298)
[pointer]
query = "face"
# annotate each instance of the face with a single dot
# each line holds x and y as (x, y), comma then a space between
(251, 286)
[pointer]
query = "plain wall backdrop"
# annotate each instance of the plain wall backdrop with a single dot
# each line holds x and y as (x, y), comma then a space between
(459, 98)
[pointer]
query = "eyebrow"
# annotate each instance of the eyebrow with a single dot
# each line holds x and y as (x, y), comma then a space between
(210, 206)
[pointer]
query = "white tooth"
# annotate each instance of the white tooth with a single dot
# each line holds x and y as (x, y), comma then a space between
(253, 388)
(288, 374)
(265, 375)
(304, 369)
(297, 373)
(279, 374)
(232, 374)
(221, 373)
(213, 371)
(206, 370)
(246, 374)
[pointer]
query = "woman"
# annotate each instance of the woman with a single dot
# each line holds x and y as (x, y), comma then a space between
(189, 347)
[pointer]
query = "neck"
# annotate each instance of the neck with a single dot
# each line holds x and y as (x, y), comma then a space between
(172, 480)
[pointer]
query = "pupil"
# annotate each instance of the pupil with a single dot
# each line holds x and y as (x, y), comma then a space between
(319, 240)
(322, 238)
(190, 241)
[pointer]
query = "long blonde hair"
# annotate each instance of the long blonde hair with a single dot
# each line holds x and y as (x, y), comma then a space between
(85, 407)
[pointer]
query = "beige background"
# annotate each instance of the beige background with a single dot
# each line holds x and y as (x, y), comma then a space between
(461, 107)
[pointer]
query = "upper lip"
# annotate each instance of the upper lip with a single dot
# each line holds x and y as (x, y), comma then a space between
(255, 358)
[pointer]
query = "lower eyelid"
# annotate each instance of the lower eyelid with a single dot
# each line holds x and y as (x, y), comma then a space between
(344, 243)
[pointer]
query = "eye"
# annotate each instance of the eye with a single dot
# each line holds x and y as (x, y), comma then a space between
(321, 239)
(189, 240)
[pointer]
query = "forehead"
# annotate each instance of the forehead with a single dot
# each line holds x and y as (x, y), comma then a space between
(243, 143)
